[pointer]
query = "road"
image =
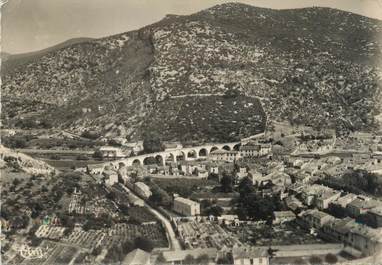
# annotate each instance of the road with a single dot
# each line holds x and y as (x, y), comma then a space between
(54, 151)
(174, 242)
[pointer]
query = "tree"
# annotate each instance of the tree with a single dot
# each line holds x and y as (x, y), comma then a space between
(256, 207)
(143, 244)
(159, 196)
(151, 142)
(203, 259)
(19, 143)
(16, 182)
(189, 259)
(96, 251)
(226, 183)
(35, 241)
(127, 247)
(315, 260)
(204, 204)
(82, 157)
(160, 258)
(225, 259)
(90, 135)
(98, 154)
(44, 188)
(331, 258)
(245, 186)
(299, 261)
(214, 210)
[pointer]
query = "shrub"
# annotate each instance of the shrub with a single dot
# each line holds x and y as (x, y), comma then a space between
(90, 135)
(143, 244)
(331, 258)
(315, 260)
(82, 157)
(98, 154)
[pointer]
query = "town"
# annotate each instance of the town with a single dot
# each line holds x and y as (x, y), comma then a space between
(191, 132)
(290, 195)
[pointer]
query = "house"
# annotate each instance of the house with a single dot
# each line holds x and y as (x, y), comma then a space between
(224, 155)
(375, 216)
(111, 152)
(250, 256)
(283, 216)
(135, 146)
(152, 169)
(344, 200)
(181, 256)
(174, 171)
(169, 146)
(255, 176)
(298, 163)
(164, 170)
(333, 160)
(336, 229)
(228, 219)
(214, 169)
(242, 172)
(142, 189)
(280, 179)
(185, 206)
(255, 149)
(202, 174)
(363, 238)
(293, 203)
(4, 224)
(95, 169)
(137, 257)
(318, 195)
(361, 205)
(325, 198)
(315, 218)
(191, 167)
(111, 177)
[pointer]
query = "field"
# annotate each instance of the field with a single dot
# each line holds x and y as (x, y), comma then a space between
(182, 186)
(66, 164)
(141, 215)
(262, 235)
(62, 255)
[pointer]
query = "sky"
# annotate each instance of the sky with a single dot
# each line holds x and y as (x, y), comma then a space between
(30, 25)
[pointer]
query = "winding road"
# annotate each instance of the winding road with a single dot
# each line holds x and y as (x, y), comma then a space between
(173, 241)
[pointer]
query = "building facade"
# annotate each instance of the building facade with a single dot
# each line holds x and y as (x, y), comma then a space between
(186, 207)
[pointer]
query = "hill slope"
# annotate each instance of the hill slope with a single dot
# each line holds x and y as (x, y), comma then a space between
(314, 66)
(10, 61)
(15, 161)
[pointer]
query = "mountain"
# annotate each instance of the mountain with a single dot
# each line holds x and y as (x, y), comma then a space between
(4, 56)
(217, 75)
(10, 61)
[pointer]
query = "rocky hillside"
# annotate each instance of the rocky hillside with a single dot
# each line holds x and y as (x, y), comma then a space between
(199, 75)
(15, 161)
(10, 61)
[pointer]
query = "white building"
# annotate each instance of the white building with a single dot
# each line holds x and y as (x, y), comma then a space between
(111, 177)
(224, 155)
(111, 152)
(255, 150)
(186, 207)
(250, 256)
(142, 189)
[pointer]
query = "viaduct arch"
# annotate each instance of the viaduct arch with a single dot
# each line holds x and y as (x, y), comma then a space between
(187, 154)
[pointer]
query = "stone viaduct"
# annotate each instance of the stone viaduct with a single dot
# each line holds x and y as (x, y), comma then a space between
(174, 155)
